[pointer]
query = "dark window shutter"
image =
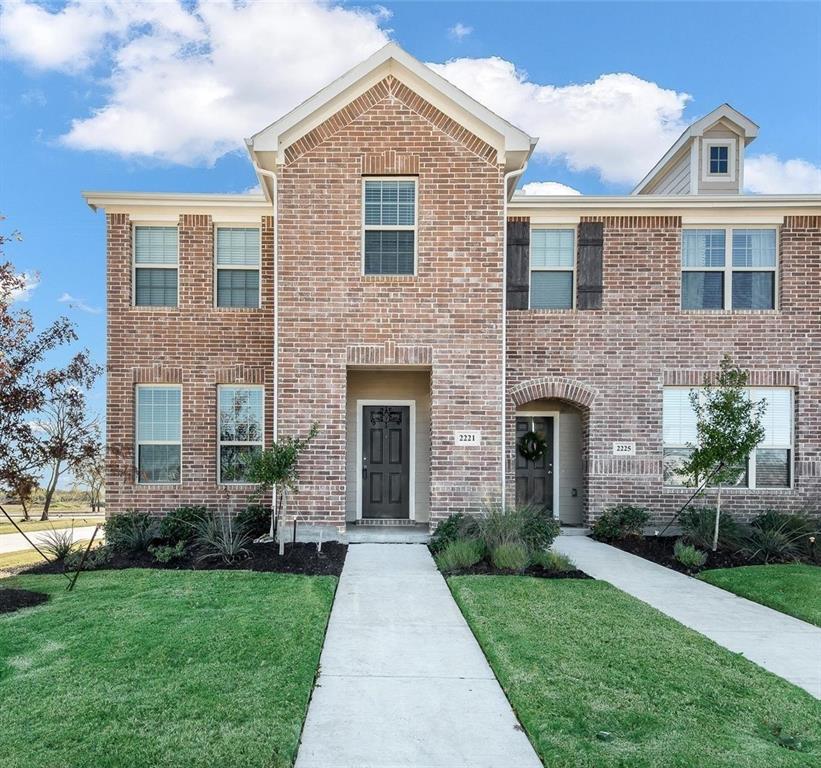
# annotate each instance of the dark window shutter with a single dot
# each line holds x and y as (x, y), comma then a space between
(518, 263)
(589, 265)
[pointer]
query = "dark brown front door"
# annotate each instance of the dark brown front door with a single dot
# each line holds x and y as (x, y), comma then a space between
(534, 478)
(385, 461)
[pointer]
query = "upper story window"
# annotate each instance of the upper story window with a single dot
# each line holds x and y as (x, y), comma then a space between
(389, 226)
(237, 267)
(728, 268)
(552, 260)
(240, 430)
(719, 159)
(155, 266)
(159, 433)
(768, 466)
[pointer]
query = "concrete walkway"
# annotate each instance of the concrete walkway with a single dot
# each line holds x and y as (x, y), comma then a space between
(781, 644)
(16, 542)
(402, 680)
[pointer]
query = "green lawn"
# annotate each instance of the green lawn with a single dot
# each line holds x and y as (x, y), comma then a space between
(56, 522)
(580, 657)
(792, 588)
(161, 669)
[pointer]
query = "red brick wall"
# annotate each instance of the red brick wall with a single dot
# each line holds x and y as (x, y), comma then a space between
(195, 345)
(640, 340)
(448, 316)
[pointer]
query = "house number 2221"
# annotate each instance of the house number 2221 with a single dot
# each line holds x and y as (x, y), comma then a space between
(467, 437)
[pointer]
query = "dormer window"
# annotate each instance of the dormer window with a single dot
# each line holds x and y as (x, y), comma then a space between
(719, 160)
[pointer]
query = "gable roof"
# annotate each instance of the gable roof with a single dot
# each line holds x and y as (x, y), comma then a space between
(267, 147)
(746, 128)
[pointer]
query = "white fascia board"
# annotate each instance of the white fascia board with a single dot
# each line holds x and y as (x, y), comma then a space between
(748, 128)
(171, 204)
(391, 59)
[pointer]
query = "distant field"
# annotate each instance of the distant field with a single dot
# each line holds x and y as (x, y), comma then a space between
(56, 520)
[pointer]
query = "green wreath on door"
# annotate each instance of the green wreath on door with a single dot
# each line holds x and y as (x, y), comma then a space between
(532, 446)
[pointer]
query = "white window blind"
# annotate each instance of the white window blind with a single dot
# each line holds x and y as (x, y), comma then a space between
(679, 418)
(777, 418)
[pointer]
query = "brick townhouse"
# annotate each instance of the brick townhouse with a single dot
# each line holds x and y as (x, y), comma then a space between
(389, 284)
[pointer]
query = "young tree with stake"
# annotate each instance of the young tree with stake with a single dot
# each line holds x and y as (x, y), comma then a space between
(728, 428)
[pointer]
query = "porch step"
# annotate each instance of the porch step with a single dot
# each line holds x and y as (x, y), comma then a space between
(385, 522)
(567, 530)
(387, 534)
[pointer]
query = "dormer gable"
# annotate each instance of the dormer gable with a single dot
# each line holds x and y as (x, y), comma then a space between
(707, 159)
(269, 148)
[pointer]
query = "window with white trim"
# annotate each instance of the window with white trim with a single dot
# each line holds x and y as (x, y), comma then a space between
(237, 266)
(159, 433)
(155, 266)
(719, 159)
(240, 431)
(552, 261)
(389, 219)
(729, 268)
(768, 466)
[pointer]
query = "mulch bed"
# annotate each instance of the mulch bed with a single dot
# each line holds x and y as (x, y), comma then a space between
(14, 599)
(659, 549)
(300, 558)
(485, 568)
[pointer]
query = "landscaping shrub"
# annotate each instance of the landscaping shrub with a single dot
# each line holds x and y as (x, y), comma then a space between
(690, 557)
(181, 524)
(459, 554)
(776, 541)
(255, 520)
(131, 531)
(620, 521)
(510, 556)
(58, 544)
(219, 537)
(98, 557)
(453, 527)
(698, 524)
(165, 553)
(530, 526)
(553, 561)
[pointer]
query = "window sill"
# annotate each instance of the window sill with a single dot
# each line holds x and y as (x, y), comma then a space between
(548, 311)
(150, 308)
(388, 278)
(730, 312)
(238, 309)
(732, 491)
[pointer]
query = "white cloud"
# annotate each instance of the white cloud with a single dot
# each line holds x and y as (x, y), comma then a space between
(766, 174)
(187, 85)
(460, 31)
(547, 188)
(30, 282)
(76, 303)
(618, 126)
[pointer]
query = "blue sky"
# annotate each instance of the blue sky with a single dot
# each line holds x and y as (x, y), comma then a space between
(156, 97)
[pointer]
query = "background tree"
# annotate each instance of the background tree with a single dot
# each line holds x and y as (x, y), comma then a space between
(90, 475)
(274, 471)
(728, 428)
(26, 389)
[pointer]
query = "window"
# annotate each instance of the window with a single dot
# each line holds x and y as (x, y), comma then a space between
(240, 430)
(155, 266)
(158, 434)
(238, 255)
(769, 466)
(389, 224)
(728, 268)
(552, 256)
(719, 159)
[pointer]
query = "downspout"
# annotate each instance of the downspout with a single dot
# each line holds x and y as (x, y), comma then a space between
(271, 175)
(507, 176)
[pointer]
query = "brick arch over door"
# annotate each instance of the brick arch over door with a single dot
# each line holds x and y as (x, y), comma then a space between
(553, 387)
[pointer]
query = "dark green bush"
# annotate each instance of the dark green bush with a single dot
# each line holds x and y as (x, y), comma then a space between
(459, 554)
(690, 557)
(698, 524)
(181, 524)
(510, 556)
(553, 561)
(619, 522)
(255, 520)
(453, 527)
(220, 537)
(539, 528)
(165, 553)
(97, 558)
(531, 526)
(131, 531)
(777, 541)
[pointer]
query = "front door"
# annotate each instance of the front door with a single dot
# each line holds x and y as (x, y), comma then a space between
(385, 461)
(534, 476)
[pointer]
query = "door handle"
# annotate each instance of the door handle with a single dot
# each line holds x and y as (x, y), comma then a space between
(364, 471)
